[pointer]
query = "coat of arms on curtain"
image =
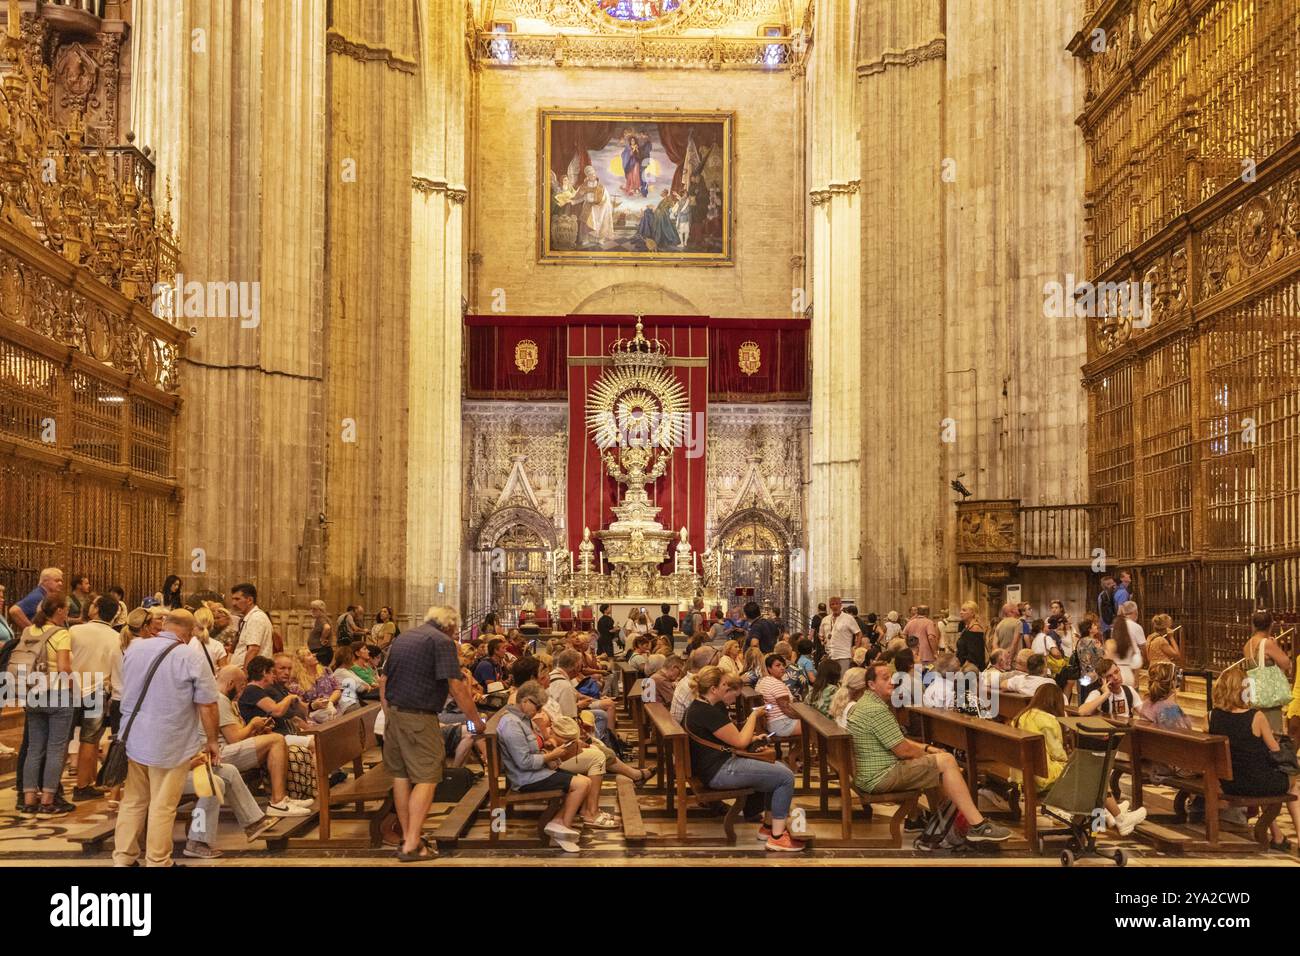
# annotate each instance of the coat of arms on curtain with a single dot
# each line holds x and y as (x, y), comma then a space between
(526, 355)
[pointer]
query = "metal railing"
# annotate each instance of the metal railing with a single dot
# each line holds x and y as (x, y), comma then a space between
(1060, 532)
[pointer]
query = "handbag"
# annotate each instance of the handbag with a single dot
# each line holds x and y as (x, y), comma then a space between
(1284, 758)
(755, 751)
(1268, 686)
(113, 772)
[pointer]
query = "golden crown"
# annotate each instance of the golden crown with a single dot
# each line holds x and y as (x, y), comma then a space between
(639, 350)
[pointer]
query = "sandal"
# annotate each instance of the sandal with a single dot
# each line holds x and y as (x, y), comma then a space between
(1284, 846)
(603, 821)
(424, 854)
(646, 773)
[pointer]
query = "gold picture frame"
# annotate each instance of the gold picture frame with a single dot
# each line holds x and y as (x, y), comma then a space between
(644, 187)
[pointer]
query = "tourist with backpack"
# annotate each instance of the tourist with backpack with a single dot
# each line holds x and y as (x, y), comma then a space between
(41, 666)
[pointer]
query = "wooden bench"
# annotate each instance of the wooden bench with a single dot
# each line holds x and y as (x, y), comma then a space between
(997, 746)
(835, 757)
(1206, 755)
(631, 677)
(341, 742)
(684, 788)
(747, 700)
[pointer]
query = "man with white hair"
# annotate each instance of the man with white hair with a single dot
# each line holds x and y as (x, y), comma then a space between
(1139, 635)
(422, 668)
(21, 614)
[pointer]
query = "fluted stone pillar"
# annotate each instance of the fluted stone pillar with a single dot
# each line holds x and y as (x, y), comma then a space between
(373, 82)
(244, 162)
(900, 74)
(834, 499)
(437, 199)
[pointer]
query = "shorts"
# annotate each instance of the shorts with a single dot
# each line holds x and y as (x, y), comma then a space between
(559, 780)
(93, 721)
(413, 748)
(242, 755)
(920, 774)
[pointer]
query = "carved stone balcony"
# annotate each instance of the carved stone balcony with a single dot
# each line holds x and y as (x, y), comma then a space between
(994, 537)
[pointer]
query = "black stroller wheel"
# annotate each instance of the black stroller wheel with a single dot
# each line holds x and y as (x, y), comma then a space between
(1067, 858)
(1121, 858)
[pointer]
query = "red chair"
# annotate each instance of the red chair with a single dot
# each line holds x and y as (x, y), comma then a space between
(566, 617)
(585, 619)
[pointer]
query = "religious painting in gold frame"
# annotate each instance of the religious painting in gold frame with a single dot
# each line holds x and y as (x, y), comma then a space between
(636, 187)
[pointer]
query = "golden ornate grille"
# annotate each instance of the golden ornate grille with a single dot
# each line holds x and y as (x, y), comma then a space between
(1192, 122)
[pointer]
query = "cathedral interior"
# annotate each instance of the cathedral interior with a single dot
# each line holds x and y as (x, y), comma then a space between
(521, 305)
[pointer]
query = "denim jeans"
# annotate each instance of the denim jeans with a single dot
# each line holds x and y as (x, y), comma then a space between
(203, 821)
(49, 730)
(774, 780)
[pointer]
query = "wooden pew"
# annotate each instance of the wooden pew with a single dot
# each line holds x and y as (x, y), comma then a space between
(989, 741)
(340, 742)
(1206, 755)
(685, 789)
(835, 753)
(630, 678)
(747, 700)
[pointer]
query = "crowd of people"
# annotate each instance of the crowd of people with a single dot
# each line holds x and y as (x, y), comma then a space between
(208, 703)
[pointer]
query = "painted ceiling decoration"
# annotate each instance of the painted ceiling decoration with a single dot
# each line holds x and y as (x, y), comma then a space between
(668, 16)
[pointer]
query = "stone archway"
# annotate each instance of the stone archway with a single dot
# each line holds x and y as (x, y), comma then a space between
(756, 546)
(515, 545)
(629, 298)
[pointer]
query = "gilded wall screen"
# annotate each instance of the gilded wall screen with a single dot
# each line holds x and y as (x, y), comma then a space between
(635, 187)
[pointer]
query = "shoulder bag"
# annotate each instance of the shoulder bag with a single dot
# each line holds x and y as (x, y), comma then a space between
(756, 750)
(113, 773)
(1267, 687)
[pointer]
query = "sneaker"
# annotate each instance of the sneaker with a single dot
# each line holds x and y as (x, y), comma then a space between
(200, 851)
(785, 844)
(764, 833)
(565, 843)
(56, 809)
(286, 809)
(86, 793)
(301, 803)
(7, 751)
(27, 809)
(255, 830)
(988, 832)
(1126, 822)
(558, 831)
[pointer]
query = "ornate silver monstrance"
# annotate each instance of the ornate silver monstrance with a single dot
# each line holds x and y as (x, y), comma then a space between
(637, 416)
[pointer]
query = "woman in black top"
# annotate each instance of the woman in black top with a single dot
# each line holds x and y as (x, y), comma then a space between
(713, 738)
(970, 639)
(605, 632)
(1250, 741)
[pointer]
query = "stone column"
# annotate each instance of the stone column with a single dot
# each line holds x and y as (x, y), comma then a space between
(900, 74)
(834, 499)
(372, 88)
(437, 198)
(243, 160)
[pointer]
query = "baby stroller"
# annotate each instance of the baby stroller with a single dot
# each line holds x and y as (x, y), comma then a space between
(1078, 796)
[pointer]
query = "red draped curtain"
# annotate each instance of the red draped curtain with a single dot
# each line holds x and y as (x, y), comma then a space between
(494, 355)
(676, 138)
(781, 356)
(592, 494)
(571, 138)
